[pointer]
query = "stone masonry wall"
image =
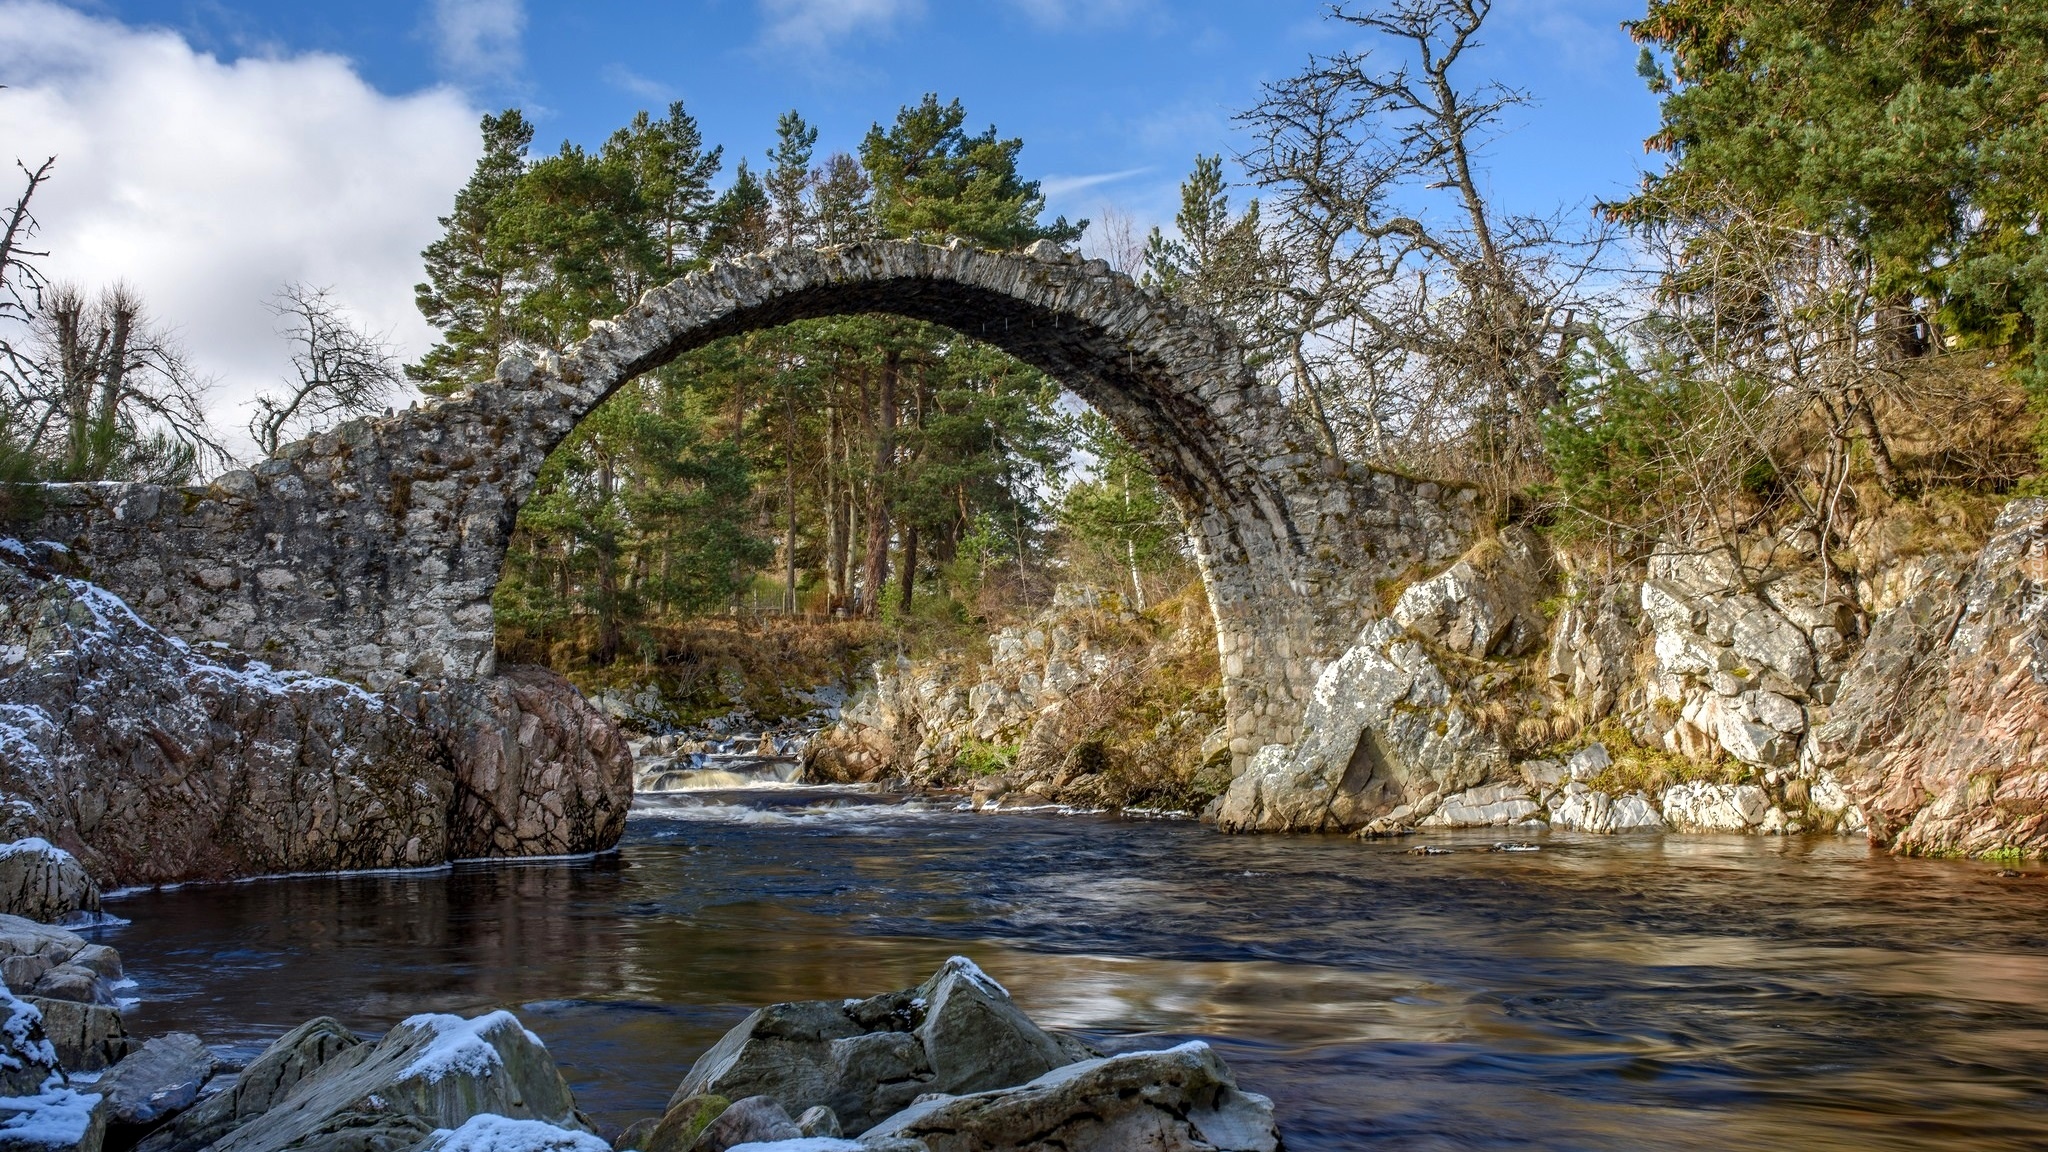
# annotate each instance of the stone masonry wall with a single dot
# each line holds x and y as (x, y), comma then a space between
(370, 551)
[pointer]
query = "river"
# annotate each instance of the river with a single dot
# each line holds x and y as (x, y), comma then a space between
(1623, 993)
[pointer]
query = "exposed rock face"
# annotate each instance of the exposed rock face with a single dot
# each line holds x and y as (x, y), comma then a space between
(1179, 1100)
(155, 762)
(1383, 733)
(866, 1059)
(427, 1074)
(538, 770)
(370, 552)
(1937, 728)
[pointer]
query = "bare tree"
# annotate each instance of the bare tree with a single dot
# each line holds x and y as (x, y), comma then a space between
(21, 282)
(1415, 320)
(339, 369)
(1115, 241)
(103, 393)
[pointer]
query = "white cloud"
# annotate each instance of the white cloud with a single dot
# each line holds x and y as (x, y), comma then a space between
(208, 184)
(478, 40)
(1055, 187)
(819, 25)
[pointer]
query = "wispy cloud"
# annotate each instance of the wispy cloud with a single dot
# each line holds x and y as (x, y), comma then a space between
(1061, 13)
(1055, 186)
(818, 26)
(646, 87)
(477, 40)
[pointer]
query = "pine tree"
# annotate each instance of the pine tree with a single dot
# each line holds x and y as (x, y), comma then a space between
(790, 180)
(932, 181)
(471, 292)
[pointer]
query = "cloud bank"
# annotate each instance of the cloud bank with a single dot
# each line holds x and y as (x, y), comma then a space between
(207, 184)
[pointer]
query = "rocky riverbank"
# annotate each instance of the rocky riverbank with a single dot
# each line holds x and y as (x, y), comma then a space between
(1089, 704)
(951, 1064)
(155, 761)
(1893, 691)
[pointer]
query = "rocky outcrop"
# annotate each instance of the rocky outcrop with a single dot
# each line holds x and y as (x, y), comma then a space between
(153, 761)
(157, 1081)
(1383, 733)
(949, 1065)
(1937, 726)
(538, 771)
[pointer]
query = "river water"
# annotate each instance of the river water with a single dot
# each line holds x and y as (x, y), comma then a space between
(1601, 993)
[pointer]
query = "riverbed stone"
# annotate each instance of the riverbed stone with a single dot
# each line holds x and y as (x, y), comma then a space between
(866, 1059)
(28, 950)
(429, 1073)
(155, 1082)
(69, 981)
(1703, 806)
(1182, 1099)
(264, 1082)
(1490, 805)
(750, 1120)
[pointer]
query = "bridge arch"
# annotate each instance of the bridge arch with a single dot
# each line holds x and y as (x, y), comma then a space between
(371, 551)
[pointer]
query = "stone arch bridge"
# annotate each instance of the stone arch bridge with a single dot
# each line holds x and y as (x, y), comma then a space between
(370, 552)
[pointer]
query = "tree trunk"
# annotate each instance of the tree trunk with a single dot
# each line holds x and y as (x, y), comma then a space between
(875, 570)
(909, 566)
(835, 514)
(789, 496)
(1888, 477)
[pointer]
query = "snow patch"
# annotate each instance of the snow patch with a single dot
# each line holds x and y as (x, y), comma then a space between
(19, 1020)
(489, 1133)
(977, 977)
(460, 1047)
(56, 1117)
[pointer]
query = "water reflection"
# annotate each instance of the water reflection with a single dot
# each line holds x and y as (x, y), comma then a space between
(1697, 993)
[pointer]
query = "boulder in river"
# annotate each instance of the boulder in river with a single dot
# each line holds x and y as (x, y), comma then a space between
(430, 1073)
(40, 881)
(267, 1080)
(866, 1059)
(1182, 1099)
(157, 1081)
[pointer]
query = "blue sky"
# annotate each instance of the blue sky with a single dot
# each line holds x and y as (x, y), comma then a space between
(212, 150)
(1112, 97)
